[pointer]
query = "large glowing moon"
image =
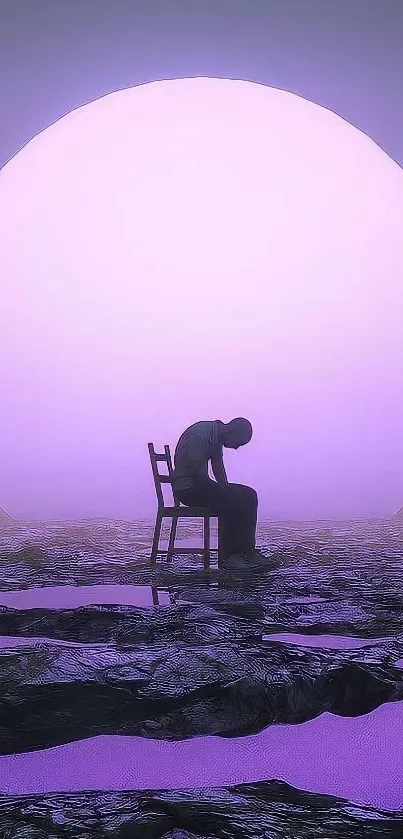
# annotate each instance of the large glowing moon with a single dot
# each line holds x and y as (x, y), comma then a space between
(193, 249)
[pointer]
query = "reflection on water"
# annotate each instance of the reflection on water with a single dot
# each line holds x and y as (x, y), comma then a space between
(72, 597)
(308, 599)
(364, 763)
(9, 641)
(333, 642)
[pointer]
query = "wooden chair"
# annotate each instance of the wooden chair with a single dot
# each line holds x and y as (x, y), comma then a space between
(175, 512)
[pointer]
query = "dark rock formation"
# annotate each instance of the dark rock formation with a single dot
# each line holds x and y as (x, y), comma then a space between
(173, 693)
(201, 665)
(248, 811)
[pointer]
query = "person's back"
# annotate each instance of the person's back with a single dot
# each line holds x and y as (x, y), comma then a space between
(199, 444)
(234, 504)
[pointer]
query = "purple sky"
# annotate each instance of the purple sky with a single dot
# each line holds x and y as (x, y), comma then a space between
(248, 240)
(318, 366)
(347, 56)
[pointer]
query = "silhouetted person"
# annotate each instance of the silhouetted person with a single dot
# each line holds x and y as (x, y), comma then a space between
(234, 504)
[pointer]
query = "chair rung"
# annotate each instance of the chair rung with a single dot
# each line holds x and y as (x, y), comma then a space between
(186, 512)
(187, 551)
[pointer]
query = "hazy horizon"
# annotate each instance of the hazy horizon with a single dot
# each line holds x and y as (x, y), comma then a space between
(150, 520)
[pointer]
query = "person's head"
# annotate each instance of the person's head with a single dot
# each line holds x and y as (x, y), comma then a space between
(237, 433)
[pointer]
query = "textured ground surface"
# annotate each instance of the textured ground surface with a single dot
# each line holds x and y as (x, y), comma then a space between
(197, 705)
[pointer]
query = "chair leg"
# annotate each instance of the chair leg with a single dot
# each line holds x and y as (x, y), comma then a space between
(154, 592)
(206, 545)
(172, 535)
(156, 538)
(220, 542)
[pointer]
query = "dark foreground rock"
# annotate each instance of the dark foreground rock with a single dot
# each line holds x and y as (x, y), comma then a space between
(202, 665)
(255, 811)
(173, 691)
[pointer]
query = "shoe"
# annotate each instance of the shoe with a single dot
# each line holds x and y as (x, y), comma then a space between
(259, 558)
(239, 562)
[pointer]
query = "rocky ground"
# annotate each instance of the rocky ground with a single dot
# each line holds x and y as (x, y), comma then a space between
(202, 664)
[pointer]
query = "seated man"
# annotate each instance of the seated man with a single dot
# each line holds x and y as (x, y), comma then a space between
(234, 504)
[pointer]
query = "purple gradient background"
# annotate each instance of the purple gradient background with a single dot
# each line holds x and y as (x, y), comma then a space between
(347, 57)
(198, 249)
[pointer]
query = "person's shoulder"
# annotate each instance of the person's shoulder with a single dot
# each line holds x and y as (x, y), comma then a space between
(202, 428)
(195, 428)
(202, 424)
(213, 427)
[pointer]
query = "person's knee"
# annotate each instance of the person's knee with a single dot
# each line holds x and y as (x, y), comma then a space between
(249, 491)
(245, 493)
(253, 496)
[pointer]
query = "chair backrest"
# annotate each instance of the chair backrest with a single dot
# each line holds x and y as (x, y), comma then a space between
(161, 479)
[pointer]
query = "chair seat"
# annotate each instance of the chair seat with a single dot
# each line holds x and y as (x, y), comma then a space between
(189, 512)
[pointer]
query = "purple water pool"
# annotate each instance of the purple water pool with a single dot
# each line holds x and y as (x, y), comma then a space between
(333, 642)
(72, 597)
(357, 758)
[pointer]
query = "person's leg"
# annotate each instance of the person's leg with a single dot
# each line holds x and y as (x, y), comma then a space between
(248, 502)
(236, 507)
(222, 502)
(246, 505)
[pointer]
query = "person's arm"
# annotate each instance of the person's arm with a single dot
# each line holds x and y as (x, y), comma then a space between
(218, 469)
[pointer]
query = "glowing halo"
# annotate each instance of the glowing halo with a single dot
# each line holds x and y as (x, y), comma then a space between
(201, 248)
